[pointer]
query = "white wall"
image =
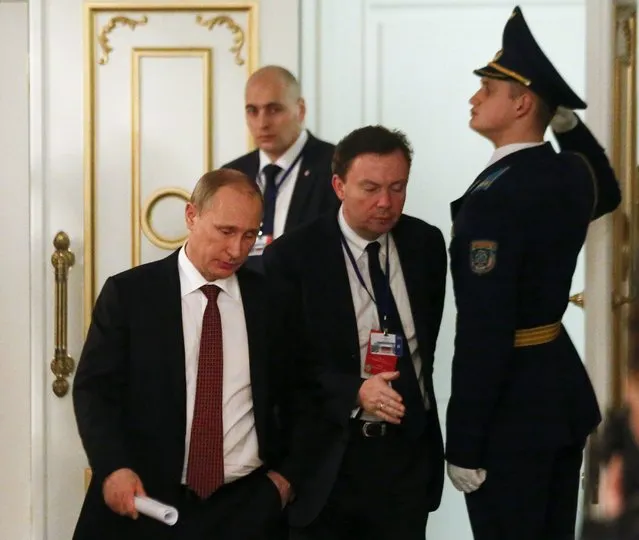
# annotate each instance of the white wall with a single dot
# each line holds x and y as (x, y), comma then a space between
(15, 421)
(279, 28)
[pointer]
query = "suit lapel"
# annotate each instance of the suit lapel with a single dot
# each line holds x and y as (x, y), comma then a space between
(166, 311)
(337, 296)
(253, 165)
(415, 275)
(253, 302)
(304, 185)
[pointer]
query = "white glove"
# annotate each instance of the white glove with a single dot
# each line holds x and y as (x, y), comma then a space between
(466, 480)
(564, 120)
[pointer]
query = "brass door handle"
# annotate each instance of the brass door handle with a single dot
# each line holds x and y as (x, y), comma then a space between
(577, 299)
(617, 299)
(62, 364)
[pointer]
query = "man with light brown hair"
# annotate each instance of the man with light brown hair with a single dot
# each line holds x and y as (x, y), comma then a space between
(290, 165)
(174, 397)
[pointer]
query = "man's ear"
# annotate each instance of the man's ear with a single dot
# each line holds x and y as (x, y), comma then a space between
(302, 109)
(338, 186)
(190, 213)
(525, 104)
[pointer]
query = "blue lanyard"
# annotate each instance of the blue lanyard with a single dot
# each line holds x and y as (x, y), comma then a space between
(382, 304)
(287, 172)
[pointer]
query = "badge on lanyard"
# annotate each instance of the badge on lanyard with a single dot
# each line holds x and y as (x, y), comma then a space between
(261, 242)
(383, 351)
(384, 347)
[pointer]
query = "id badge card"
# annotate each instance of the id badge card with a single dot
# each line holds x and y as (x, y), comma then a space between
(383, 352)
(260, 244)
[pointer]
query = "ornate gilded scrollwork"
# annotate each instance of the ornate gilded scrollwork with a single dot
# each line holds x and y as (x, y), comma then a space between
(62, 364)
(147, 224)
(103, 36)
(236, 30)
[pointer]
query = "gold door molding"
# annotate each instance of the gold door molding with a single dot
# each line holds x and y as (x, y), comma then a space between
(106, 27)
(147, 220)
(625, 218)
(141, 220)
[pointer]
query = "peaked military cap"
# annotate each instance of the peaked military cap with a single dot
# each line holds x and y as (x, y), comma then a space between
(521, 59)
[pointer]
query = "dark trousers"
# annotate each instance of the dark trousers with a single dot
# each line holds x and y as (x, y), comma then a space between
(380, 492)
(531, 496)
(247, 509)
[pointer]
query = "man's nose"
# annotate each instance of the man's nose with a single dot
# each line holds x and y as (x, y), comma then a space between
(384, 200)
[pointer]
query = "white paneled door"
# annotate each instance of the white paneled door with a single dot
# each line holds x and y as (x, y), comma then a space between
(408, 65)
(130, 104)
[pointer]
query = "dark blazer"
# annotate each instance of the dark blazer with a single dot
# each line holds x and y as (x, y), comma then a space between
(129, 392)
(517, 233)
(306, 270)
(313, 194)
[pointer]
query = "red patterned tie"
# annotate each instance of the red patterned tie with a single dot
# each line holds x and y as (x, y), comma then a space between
(205, 471)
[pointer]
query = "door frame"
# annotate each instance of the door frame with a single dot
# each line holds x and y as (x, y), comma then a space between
(39, 272)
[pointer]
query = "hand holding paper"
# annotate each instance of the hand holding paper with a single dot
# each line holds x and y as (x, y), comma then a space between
(119, 490)
(156, 510)
(124, 494)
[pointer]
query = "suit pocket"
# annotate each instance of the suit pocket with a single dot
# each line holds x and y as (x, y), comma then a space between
(270, 496)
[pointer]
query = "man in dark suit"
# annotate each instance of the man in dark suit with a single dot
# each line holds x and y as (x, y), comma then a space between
(291, 166)
(173, 396)
(361, 294)
(522, 405)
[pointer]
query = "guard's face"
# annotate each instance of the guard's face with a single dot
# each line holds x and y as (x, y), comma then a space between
(493, 109)
(373, 192)
(223, 232)
(273, 116)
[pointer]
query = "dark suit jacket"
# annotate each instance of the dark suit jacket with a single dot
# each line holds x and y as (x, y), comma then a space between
(313, 194)
(318, 338)
(517, 233)
(129, 391)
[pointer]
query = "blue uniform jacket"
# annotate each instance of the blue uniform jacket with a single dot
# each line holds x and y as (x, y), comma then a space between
(517, 233)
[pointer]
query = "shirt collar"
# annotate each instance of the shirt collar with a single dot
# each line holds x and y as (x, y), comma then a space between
(508, 149)
(355, 242)
(191, 280)
(287, 158)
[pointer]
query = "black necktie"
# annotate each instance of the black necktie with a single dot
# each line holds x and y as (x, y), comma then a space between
(270, 195)
(406, 385)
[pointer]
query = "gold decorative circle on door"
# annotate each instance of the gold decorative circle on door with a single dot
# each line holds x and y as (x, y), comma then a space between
(154, 237)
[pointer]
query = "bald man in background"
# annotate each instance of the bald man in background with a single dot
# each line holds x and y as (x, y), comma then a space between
(290, 165)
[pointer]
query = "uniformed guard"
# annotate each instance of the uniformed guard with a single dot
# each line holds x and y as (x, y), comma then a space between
(522, 405)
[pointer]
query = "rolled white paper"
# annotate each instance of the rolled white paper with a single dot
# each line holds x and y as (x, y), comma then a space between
(156, 510)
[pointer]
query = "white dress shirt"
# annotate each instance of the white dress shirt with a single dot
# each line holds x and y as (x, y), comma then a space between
(508, 149)
(365, 309)
(285, 191)
(240, 438)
